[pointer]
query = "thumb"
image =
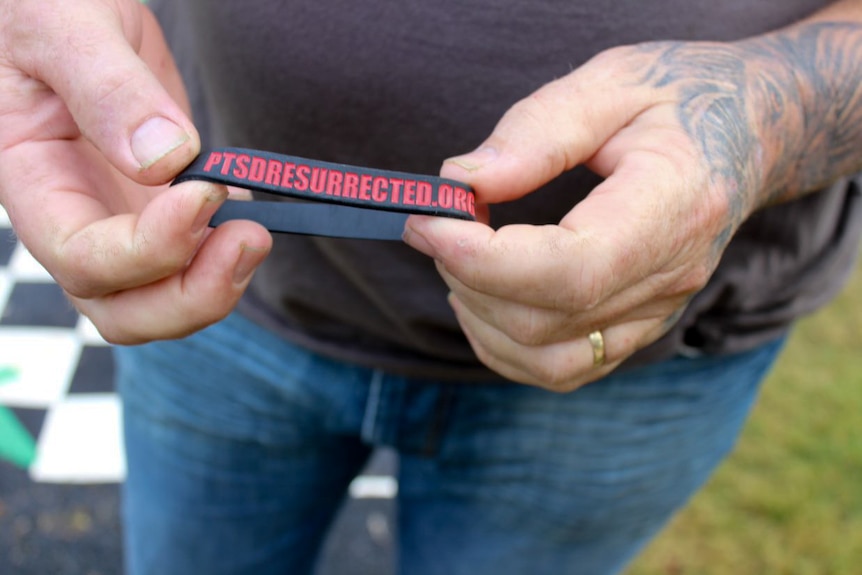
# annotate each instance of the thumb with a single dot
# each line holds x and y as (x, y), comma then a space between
(109, 63)
(556, 128)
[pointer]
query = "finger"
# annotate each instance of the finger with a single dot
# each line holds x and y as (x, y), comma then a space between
(544, 266)
(204, 293)
(533, 326)
(91, 252)
(130, 250)
(561, 366)
(656, 132)
(91, 56)
(556, 128)
(634, 228)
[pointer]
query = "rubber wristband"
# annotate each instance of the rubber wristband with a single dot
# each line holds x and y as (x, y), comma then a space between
(348, 201)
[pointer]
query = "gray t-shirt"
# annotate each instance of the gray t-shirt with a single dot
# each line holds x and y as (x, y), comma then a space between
(403, 85)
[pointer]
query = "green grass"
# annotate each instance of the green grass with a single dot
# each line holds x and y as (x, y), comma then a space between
(789, 499)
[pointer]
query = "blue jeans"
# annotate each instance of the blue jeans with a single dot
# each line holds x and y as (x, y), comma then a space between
(241, 446)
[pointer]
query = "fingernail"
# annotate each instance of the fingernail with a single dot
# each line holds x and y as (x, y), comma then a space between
(214, 199)
(475, 160)
(155, 139)
(249, 258)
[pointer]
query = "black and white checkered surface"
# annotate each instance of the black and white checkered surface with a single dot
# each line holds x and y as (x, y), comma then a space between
(56, 378)
(59, 371)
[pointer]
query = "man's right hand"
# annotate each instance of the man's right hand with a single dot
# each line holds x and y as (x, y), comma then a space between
(93, 124)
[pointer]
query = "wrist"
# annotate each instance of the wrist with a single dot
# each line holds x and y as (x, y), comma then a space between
(806, 107)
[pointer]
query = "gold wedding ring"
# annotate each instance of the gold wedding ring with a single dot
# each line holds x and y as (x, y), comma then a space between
(597, 342)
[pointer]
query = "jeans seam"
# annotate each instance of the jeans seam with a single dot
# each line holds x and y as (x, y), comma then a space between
(372, 406)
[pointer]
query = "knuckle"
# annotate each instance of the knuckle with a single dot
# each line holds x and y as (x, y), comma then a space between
(115, 86)
(119, 332)
(214, 312)
(118, 336)
(695, 280)
(81, 276)
(93, 266)
(81, 288)
(590, 286)
(19, 19)
(541, 114)
(554, 376)
(527, 330)
(686, 283)
(536, 109)
(166, 322)
(98, 311)
(196, 309)
(484, 356)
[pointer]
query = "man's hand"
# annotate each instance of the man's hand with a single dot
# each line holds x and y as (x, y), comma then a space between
(690, 138)
(93, 124)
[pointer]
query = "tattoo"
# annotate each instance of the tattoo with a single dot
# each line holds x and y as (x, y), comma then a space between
(709, 80)
(775, 117)
(828, 60)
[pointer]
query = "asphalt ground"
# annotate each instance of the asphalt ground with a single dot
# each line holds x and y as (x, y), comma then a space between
(53, 529)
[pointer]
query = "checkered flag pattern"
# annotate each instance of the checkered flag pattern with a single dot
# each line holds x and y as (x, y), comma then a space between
(56, 378)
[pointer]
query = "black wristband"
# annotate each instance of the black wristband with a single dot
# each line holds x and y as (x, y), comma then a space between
(356, 202)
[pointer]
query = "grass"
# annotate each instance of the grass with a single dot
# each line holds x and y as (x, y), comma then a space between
(789, 499)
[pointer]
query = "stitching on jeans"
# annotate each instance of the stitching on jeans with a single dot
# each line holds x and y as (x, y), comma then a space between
(372, 405)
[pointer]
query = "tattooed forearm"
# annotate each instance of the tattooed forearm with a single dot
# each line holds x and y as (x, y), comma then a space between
(819, 137)
(775, 117)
